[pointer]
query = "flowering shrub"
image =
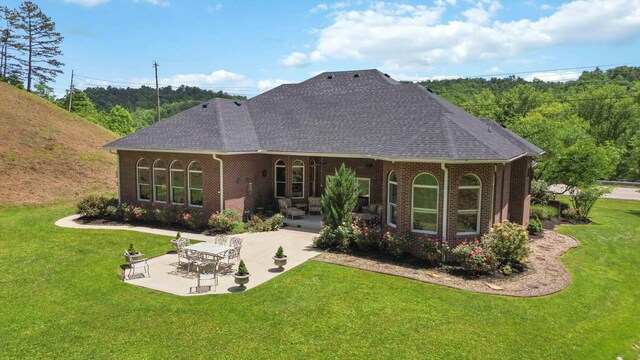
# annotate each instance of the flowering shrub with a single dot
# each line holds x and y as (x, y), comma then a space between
(509, 241)
(476, 256)
(95, 207)
(224, 221)
(193, 218)
(132, 212)
(257, 224)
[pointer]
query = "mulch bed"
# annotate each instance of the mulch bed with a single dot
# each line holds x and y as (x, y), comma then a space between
(544, 275)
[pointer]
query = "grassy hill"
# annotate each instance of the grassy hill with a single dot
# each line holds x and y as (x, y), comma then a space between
(48, 154)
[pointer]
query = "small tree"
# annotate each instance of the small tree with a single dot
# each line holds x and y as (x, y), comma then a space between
(584, 198)
(120, 121)
(340, 197)
(242, 268)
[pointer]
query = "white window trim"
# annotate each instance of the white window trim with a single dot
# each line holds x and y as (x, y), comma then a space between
(153, 175)
(425, 210)
(297, 182)
(389, 203)
(471, 211)
(275, 179)
(138, 167)
(189, 171)
(171, 186)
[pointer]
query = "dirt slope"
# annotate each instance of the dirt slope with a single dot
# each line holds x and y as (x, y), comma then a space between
(48, 154)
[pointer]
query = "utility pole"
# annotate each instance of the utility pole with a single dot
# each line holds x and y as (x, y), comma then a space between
(155, 65)
(71, 91)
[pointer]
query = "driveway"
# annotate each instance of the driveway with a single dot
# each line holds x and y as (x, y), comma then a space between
(623, 193)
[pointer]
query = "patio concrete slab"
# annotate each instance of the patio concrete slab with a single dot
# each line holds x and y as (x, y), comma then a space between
(257, 252)
(308, 223)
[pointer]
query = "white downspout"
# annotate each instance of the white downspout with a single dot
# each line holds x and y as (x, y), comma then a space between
(119, 180)
(221, 182)
(445, 201)
(493, 196)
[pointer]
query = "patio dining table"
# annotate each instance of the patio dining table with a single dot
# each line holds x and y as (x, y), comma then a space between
(209, 248)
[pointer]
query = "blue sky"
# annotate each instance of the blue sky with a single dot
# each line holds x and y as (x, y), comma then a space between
(247, 47)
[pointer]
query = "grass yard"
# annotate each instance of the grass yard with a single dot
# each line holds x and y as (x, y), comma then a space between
(62, 297)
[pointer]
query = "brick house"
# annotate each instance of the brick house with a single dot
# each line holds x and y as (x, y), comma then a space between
(434, 168)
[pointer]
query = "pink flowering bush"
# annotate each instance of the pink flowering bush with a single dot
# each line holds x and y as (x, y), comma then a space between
(132, 212)
(99, 207)
(510, 244)
(224, 221)
(475, 256)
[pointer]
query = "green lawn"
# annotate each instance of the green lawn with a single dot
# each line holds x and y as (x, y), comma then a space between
(61, 296)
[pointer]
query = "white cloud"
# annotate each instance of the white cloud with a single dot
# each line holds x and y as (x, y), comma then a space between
(333, 6)
(494, 70)
(222, 79)
(86, 3)
(268, 84)
(547, 7)
(557, 76)
(214, 8)
(155, 2)
(296, 60)
(414, 37)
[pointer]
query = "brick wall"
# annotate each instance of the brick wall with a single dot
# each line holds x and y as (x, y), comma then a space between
(210, 175)
(519, 197)
(248, 181)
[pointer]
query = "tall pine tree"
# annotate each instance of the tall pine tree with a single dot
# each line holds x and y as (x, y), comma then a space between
(9, 44)
(41, 44)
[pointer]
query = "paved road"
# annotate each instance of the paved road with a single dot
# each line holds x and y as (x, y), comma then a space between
(617, 193)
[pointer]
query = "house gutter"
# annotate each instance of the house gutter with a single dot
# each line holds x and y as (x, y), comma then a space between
(445, 201)
(119, 180)
(221, 181)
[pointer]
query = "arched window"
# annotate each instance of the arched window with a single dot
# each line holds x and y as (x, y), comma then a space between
(143, 180)
(159, 181)
(280, 179)
(469, 199)
(195, 184)
(424, 211)
(392, 198)
(297, 179)
(177, 182)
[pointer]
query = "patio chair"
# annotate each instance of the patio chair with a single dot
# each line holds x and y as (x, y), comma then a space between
(315, 205)
(186, 256)
(233, 258)
(136, 261)
(287, 210)
(182, 241)
(206, 272)
(220, 239)
(235, 242)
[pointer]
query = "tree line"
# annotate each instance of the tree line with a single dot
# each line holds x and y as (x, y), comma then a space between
(29, 47)
(589, 128)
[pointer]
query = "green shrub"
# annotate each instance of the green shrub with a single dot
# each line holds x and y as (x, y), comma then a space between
(280, 253)
(242, 268)
(570, 213)
(224, 222)
(131, 250)
(535, 226)
(257, 224)
(178, 235)
(584, 198)
(339, 198)
(132, 212)
(540, 193)
(332, 238)
(193, 218)
(509, 241)
(543, 212)
(476, 256)
(276, 222)
(95, 207)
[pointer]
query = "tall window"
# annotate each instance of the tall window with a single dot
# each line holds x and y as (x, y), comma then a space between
(469, 192)
(177, 182)
(424, 211)
(280, 179)
(159, 181)
(364, 185)
(297, 179)
(143, 179)
(195, 184)
(392, 198)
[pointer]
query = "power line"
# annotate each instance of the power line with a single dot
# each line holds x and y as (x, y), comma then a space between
(150, 84)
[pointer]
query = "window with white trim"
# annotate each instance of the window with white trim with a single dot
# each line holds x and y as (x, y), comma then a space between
(280, 179)
(195, 184)
(469, 200)
(424, 210)
(159, 181)
(177, 182)
(297, 179)
(143, 180)
(392, 198)
(364, 185)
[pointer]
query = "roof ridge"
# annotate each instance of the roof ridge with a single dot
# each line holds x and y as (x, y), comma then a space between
(223, 140)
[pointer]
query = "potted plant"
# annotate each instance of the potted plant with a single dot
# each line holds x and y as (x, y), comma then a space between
(280, 259)
(242, 275)
(131, 252)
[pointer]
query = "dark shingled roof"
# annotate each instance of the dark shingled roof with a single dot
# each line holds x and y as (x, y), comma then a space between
(336, 113)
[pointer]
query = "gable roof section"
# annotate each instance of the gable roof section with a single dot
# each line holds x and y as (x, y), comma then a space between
(357, 113)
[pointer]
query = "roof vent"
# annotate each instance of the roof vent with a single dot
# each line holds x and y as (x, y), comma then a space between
(356, 75)
(330, 77)
(237, 103)
(387, 75)
(204, 106)
(430, 90)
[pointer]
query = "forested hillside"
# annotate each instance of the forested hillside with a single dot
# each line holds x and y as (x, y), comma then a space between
(589, 128)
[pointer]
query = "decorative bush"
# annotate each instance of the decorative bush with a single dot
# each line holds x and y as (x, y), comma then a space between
(178, 235)
(509, 242)
(476, 256)
(429, 247)
(280, 253)
(584, 198)
(535, 226)
(540, 193)
(257, 224)
(193, 218)
(95, 207)
(224, 222)
(570, 213)
(543, 212)
(132, 212)
(242, 268)
(131, 250)
(339, 198)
